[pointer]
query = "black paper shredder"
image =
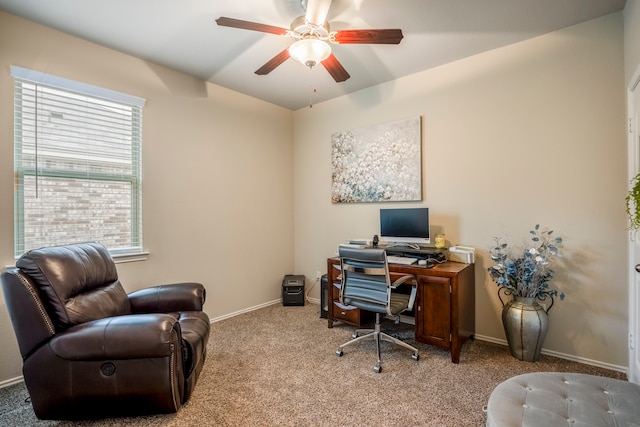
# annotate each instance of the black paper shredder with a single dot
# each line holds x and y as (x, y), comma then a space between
(293, 289)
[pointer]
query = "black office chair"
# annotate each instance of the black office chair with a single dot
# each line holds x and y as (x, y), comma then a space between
(366, 284)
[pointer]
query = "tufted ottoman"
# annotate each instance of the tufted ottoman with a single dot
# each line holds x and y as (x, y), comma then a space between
(549, 399)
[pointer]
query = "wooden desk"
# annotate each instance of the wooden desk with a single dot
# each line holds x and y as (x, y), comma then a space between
(444, 309)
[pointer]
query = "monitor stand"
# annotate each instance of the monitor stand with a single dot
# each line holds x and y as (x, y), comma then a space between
(422, 253)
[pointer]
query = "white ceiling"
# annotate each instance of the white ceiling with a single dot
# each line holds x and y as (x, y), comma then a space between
(183, 35)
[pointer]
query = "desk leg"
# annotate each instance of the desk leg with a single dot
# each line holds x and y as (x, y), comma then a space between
(456, 346)
(455, 353)
(330, 272)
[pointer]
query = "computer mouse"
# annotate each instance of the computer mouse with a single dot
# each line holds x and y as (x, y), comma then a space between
(426, 263)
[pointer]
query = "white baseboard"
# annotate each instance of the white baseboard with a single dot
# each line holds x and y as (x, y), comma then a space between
(573, 358)
(244, 310)
(313, 300)
(623, 369)
(11, 381)
(561, 355)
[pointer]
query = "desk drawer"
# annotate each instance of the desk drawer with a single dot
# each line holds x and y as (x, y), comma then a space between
(346, 313)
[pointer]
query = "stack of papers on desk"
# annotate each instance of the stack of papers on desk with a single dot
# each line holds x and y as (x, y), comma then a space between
(465, 254)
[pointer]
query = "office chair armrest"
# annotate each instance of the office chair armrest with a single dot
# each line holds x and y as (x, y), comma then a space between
(402, 280)
(168, 298)
(412, 298)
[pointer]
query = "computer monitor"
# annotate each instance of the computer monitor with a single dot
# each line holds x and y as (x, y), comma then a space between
(406, 225)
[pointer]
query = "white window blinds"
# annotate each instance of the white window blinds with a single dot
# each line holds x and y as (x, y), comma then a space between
(78, 164)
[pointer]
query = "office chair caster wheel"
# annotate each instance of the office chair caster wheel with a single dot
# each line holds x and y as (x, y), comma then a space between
(415, 356)
(377, 368)
(339, 353)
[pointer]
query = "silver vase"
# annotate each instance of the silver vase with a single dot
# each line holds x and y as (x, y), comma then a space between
(525, 324)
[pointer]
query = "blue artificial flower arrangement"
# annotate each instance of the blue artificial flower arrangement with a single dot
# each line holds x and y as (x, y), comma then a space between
(526, 272)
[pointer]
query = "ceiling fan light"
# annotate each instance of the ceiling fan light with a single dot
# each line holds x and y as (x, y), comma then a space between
(309, 52)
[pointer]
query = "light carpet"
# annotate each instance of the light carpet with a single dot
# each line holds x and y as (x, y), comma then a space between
(277, 366)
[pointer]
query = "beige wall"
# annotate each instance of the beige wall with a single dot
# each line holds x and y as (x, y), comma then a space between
(530, 133)
(631, 38)
(217, 174)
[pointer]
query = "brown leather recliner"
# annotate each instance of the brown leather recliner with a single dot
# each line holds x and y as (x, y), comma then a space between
(90, 350)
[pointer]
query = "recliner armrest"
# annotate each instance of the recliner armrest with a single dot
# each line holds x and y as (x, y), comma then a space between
(121, 337)
(168, 298)
(31, 322)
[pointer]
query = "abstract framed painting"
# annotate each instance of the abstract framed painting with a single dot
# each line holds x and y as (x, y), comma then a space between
(380, 163)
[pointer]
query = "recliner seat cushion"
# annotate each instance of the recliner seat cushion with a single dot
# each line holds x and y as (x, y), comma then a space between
(79, 283)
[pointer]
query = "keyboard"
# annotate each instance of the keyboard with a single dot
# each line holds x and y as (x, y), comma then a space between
(393, 259)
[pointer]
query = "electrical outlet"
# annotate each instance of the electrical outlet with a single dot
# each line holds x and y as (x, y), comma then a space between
(318, 275)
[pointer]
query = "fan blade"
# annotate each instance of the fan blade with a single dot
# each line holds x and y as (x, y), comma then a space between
(273, 63)
(248, 25)
(335, 68)
(389, 36)
(317, 11)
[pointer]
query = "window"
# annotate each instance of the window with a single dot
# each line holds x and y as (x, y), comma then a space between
(78, 164)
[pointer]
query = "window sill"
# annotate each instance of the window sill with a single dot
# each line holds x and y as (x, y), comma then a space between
(122, 258)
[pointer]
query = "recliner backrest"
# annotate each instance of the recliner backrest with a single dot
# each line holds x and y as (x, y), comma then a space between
(77, 283)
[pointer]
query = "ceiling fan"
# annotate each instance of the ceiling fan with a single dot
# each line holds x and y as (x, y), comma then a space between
(311, 33)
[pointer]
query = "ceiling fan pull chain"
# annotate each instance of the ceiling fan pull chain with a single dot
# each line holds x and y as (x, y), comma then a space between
(311, 87)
